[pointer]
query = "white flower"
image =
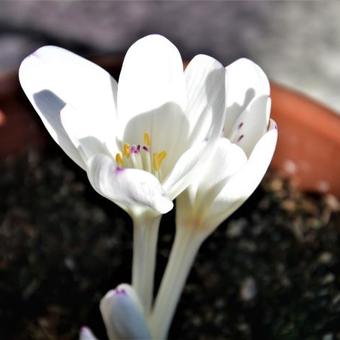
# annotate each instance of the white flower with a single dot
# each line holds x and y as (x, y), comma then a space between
(231, 174)
(242, 156)
(140, 140)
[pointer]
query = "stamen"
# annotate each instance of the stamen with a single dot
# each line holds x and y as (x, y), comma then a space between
(147, 139)
(136, 159)
(146, 159)
(158, 158)
(140, 156)
(126, 150)
(119, 159)
(239, 138)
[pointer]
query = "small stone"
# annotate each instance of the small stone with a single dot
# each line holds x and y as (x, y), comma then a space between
(235, 228)
(220, 303)
(329, 278)
(325, 258)
(276, 184)
(243, 327)
(248, 246)
(289, 205)
(336, 299)
(69, 263)
(248, 289)
(332, 202)
(196, 321)
(328, 336)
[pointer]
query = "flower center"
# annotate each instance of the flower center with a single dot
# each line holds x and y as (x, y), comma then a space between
(141, 157)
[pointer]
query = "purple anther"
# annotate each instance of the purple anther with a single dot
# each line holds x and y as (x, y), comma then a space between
(240, 125)
(239, 138)
(145, 148)
(133, 149)
(138, 148)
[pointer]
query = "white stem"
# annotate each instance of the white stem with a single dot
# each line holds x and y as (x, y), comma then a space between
(145, 235)
(183, 252)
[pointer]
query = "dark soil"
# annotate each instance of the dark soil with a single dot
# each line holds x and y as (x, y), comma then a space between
(272, 271)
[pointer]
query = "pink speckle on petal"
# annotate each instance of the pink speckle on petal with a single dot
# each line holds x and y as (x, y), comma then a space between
(240, 125)
(120, 291)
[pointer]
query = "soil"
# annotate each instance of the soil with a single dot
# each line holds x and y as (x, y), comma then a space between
(271, 271)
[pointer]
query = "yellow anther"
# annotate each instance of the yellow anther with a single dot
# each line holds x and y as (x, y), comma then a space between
(119, 159)
(158, 159)
(126, 150)
(147, 139)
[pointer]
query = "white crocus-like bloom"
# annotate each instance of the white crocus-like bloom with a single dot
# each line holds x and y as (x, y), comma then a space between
(242, 156)
(230, 176)
(141, 140)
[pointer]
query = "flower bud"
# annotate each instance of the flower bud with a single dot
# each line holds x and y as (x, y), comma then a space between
(123, 314)
(86, 334)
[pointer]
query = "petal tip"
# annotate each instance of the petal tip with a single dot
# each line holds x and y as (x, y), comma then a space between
(163, 205)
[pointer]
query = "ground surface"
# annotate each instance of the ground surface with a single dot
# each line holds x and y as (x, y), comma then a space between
(271, 272)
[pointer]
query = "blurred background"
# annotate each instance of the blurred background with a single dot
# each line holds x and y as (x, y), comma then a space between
(297, 43)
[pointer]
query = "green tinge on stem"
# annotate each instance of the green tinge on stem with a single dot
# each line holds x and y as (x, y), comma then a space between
(183, 252)
(145, 236)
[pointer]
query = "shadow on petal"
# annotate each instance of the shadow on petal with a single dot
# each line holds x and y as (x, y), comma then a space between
(235, 109)
(50, 106)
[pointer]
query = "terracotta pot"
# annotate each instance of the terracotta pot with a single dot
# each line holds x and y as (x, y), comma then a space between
(309, 133)
(309, 141)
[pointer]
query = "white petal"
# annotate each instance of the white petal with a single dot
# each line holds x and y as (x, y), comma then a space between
(226, 160)
(151, 76)
(242, 184)
(48, 106)
(85, 135)
(123, 315)
(192, 160)
(245, 82)
(251, 124)
(205, 84)
(86, 334)
(55, 73)
(186, 168)
(128, 188)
